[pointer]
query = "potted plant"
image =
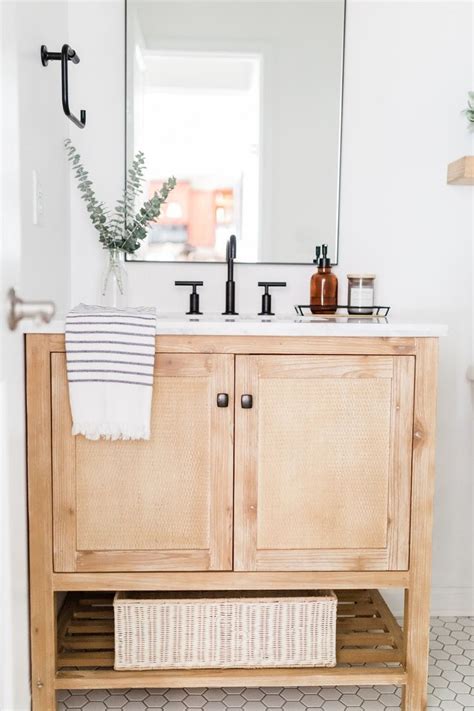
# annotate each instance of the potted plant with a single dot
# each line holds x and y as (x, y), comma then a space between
(122, 229)
(469, 112)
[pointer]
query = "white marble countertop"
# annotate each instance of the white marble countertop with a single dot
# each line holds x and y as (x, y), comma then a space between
(284, 325)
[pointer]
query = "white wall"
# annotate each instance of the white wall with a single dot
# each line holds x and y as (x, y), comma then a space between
(408, 68)
(409, 65)
(43, 127)
(35, 260)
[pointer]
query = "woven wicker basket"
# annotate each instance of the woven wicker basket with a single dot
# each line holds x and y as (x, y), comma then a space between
(219, 630)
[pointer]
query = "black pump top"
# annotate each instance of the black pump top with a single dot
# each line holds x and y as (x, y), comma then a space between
(318, 253)
(324, 261)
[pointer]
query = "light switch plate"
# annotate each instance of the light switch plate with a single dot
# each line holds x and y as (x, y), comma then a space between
(38, 200)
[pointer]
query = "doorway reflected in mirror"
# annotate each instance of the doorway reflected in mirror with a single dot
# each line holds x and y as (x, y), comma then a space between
(241, 101)
(202, 117)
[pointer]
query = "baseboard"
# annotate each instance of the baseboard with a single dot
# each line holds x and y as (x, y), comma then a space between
(452, 602)
(445, 602)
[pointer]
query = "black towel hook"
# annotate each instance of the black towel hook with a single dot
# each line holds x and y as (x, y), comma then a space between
(66, 55)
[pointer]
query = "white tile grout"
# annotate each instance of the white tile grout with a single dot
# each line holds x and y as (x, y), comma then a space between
(450, 687)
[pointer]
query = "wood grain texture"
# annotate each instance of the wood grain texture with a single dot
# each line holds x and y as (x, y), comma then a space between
(105, 679)
(303, 500)
(398, 524)
(329, 367)
(245, 467)
(417, 597)
(42, 608)
(298, 345)
(416, 581)
(310, 345)
(144, 560)
(64, 460)
(229, 580)
(302, 559)
(169, 499)
(461, 171)
(391, 624)
(222, 467)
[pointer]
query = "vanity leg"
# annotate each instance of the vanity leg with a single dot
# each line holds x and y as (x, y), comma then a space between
(416, 626)
(42, 607)
(43, 656)
(417, 596)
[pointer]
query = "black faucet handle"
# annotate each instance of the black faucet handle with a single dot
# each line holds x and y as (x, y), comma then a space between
(267, 297)
(193, 296)
(271, 283)
(189, 283)
(231, 251)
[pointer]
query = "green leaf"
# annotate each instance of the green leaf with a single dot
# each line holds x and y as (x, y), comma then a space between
(121, 228)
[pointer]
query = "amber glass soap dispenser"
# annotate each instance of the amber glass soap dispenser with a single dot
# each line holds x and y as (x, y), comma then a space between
(323, 285)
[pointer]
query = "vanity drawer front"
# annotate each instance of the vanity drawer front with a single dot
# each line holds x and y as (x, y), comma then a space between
(323, 462)
(165, 504)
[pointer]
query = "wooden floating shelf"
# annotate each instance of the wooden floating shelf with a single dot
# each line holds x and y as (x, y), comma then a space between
(369, 650)
(461, 171)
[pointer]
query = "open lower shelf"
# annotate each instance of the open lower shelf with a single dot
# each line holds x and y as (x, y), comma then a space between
(369, 650)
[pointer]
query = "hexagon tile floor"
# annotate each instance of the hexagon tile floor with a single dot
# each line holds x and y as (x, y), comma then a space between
(451, 686)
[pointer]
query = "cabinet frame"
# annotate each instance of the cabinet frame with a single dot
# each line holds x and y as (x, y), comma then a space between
(44, 583)
(250, 372)
(217, 372)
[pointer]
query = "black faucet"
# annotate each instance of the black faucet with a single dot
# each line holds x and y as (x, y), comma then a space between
(231, 253)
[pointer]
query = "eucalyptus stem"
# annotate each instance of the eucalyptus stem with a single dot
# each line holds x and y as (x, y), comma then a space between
(123, 228)
(469, 112)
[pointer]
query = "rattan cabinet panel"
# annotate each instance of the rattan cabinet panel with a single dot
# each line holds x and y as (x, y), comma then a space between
(323, 481)
(162, 504)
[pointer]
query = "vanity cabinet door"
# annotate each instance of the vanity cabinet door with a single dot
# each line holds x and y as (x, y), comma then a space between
(162, 504)
(323, 462)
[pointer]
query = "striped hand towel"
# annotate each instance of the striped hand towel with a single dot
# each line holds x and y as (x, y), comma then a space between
(110, 359)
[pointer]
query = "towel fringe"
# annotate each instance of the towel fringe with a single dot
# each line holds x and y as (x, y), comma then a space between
(110, 432)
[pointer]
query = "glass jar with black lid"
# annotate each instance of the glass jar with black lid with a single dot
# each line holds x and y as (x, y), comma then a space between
(360, 294)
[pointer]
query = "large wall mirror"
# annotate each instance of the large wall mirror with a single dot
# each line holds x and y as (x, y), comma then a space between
(241, 101)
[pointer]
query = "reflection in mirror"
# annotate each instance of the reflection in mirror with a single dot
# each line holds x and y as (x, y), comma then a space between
(241, 101)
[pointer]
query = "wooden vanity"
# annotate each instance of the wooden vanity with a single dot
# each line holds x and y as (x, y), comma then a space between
(315, 472)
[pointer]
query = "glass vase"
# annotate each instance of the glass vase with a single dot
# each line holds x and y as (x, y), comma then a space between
(114, 282)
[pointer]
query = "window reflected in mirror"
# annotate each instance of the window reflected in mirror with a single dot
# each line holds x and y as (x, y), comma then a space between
(241, 102)
(201, 122)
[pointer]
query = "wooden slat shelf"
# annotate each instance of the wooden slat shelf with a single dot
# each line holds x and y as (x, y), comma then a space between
(218, 678)
(461, 171)
(369, 650)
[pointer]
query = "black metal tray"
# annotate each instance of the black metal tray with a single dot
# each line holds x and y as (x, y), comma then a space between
(377, 311)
